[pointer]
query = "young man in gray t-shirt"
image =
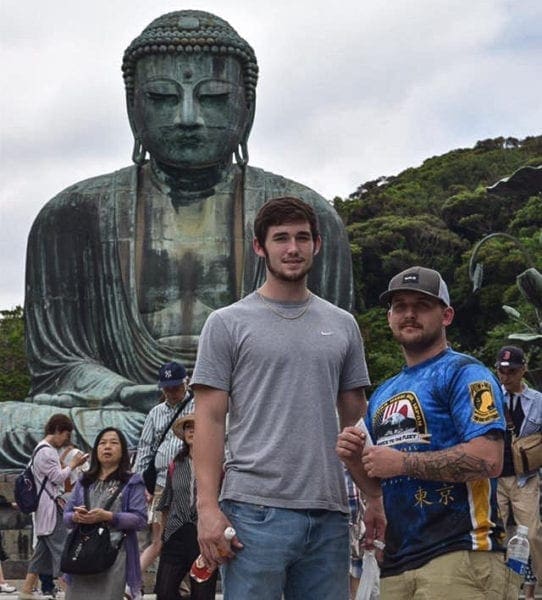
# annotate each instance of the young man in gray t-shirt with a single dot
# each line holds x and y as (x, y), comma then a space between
(282, 362)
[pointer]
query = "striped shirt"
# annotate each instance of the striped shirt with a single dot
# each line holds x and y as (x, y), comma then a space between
(179, 497)
(156, 422)
(355, 525)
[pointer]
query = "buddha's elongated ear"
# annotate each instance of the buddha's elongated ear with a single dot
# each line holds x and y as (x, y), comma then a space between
(241, 152)
(138, 153)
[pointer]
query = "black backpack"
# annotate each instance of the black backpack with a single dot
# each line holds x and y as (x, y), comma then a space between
(26, 492)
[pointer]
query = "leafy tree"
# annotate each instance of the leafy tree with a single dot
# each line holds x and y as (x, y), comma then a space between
(474, 215)
(383, 354)
(433, 215)
(385, 245)
(14, 375)
(527, 220)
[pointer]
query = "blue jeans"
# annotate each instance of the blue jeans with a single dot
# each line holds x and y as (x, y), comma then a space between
(299, 553)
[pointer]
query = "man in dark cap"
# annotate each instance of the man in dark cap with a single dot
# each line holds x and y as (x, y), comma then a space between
(173, 381)
(520, 493)
(437, 429)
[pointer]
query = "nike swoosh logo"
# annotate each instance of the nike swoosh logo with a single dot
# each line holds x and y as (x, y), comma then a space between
(326, 332)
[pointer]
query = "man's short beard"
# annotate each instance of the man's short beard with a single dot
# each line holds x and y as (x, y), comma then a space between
(421, 344)
(284, 277)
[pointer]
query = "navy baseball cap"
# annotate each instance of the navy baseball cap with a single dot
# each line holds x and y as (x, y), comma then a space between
(417, 279)
(510, 356)
(171, 374)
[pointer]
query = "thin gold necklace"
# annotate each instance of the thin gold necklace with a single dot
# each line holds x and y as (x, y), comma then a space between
(282, 315)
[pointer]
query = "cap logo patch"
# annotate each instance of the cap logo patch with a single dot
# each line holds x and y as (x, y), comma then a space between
(481, 394)
(410, 278)
(506, 355)
(167, 374)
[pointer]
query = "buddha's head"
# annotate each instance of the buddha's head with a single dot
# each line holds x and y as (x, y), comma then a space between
(191, 90)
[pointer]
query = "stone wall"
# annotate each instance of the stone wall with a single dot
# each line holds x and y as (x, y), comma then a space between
(16, 531)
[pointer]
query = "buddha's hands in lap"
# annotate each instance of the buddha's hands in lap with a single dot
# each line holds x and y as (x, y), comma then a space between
(64, 400)
(140, 397)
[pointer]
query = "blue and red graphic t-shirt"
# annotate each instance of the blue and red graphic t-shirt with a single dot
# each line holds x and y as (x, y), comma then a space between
(449, 399)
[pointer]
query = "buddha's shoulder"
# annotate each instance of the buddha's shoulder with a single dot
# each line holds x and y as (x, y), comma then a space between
(87, 192)
(100, 183)
(276, 185)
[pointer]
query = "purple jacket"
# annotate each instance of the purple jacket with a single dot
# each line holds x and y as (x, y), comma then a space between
(131, 519)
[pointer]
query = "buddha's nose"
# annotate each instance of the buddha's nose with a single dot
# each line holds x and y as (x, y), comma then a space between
(188, 114)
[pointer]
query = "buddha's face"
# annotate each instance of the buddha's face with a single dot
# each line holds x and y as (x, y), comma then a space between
(189, 110)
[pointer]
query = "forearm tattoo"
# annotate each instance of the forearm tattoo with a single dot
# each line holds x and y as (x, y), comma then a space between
(453, 464)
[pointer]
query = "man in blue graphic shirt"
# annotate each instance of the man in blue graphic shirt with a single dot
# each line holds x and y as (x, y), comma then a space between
(438, 429)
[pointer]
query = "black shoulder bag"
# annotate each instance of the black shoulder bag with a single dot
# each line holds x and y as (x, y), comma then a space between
(88, 549)
(150, 474)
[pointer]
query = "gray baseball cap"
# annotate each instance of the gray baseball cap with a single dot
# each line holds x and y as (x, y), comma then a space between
(417, 279)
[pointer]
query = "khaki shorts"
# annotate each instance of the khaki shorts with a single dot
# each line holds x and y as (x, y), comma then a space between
(155, 516)
(455, 576)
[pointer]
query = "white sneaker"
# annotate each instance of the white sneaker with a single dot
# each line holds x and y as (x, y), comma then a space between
(7, 589)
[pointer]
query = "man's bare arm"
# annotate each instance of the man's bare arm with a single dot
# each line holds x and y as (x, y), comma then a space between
(210, 417)
(351, 406)
(350, 445)
(350, 448)
(480, 458)
(209, 437)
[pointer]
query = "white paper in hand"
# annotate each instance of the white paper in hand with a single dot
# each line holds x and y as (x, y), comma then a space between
(362, 427)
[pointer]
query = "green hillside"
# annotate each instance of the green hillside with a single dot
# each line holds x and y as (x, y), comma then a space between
(433, 215)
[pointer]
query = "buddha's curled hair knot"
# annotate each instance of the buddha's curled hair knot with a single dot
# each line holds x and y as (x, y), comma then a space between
(191, 31)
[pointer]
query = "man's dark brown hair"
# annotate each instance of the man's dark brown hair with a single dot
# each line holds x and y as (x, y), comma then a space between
(286, 209)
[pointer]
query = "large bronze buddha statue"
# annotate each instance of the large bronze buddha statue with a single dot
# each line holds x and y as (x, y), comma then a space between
(124, 268)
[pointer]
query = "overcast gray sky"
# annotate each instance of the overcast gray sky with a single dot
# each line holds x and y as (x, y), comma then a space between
(348, 91)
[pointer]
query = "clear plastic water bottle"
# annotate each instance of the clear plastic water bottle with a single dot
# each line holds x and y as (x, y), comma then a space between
(517, 551)
(199, 571)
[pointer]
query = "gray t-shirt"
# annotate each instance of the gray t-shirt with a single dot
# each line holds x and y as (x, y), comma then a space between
(283, 377)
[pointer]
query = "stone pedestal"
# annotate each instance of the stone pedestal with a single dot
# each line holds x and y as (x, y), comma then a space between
(16, 531)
